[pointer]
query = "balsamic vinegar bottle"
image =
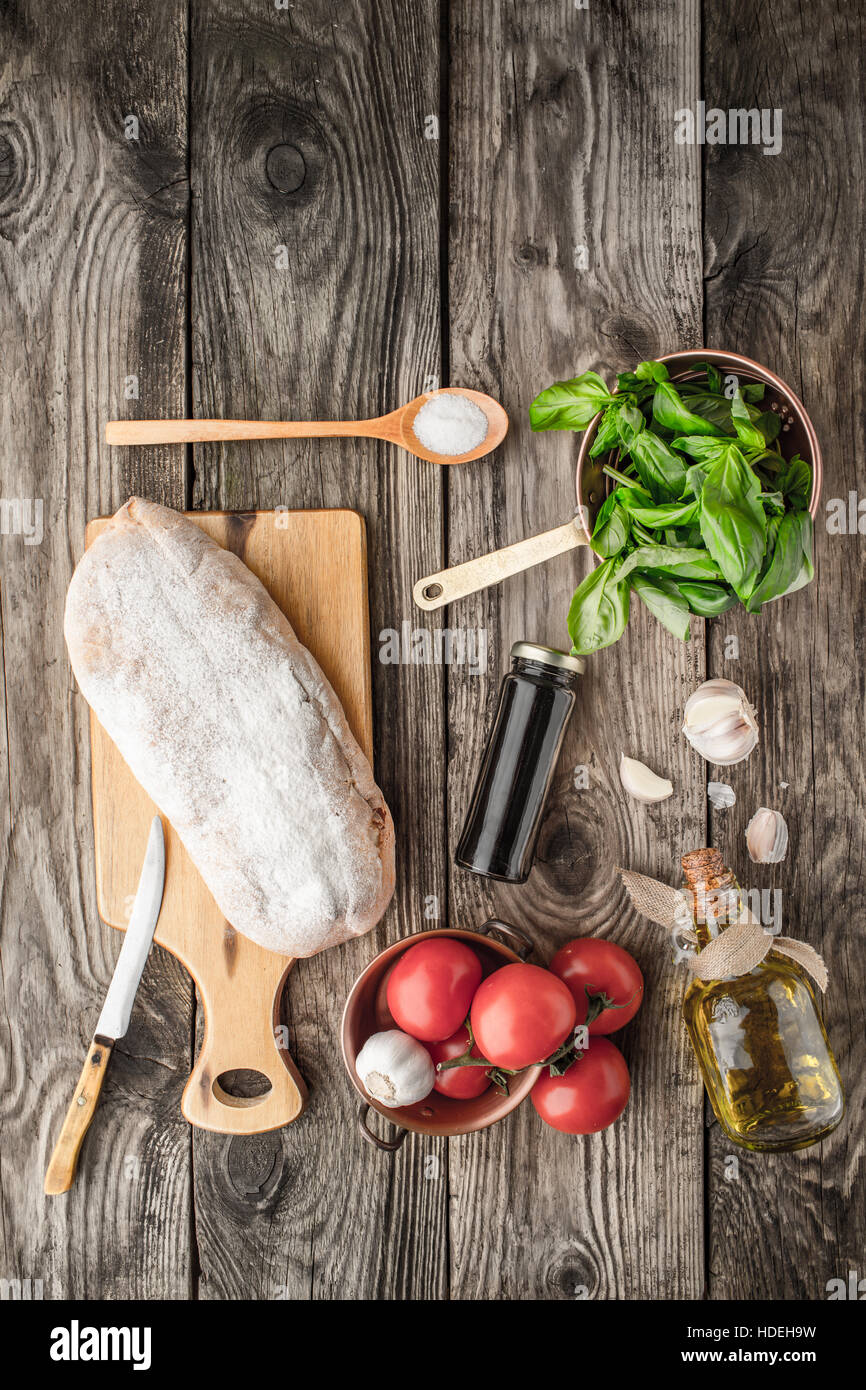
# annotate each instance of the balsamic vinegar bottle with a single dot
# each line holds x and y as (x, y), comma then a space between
(536, 699)
(759, 1039)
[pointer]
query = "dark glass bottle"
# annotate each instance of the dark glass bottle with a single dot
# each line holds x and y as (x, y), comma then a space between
(536, 699)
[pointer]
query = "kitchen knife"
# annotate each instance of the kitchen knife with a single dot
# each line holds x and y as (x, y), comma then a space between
(114, 1019)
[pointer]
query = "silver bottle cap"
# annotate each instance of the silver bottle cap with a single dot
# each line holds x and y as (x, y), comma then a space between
(550, 656)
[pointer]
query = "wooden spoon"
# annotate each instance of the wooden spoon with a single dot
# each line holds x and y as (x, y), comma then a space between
(395, 428)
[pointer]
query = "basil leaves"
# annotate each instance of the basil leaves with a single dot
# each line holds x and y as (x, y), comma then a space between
(570, 405)
(671, 412)
(599, 609)
(733, 523)
(665, 602)
(660, 470)
(789, 564)
(706, 511)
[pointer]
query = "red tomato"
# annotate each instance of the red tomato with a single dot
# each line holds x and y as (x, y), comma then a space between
(601, 967)
(590, 1096)
(461, 1083)
(520, 1015)
(431, 987)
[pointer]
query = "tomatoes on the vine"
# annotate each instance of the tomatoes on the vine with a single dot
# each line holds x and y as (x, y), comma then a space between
(520, 1015)
(589, 1096)
(461, 1083)
(431, 987)
(604, 980)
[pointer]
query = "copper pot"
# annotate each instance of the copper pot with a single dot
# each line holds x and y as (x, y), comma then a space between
(366, 1012)
(798, 436)
(798, 433)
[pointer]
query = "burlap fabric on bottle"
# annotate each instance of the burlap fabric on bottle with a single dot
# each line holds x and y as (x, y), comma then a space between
(735, 951)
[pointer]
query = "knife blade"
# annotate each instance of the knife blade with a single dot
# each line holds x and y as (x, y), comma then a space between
(114, 1019)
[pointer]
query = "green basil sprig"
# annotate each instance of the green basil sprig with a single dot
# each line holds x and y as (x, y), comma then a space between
(570, 405)
(705, 511)
(599, 609)
(733, 523)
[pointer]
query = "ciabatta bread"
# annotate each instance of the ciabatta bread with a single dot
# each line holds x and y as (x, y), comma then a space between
(232, 729)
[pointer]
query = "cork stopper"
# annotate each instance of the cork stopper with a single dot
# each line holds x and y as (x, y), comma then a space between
(711, 886)
(703, 867)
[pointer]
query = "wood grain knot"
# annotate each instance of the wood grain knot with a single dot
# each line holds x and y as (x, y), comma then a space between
(274, 156)
(230, 948)
(238, 527)
(563, 858)
(286, 168)
(13, 164)
(527, 256)
(255, 1166)
(7, 164)
(551, 86)
(573, 1277)
(634, 339)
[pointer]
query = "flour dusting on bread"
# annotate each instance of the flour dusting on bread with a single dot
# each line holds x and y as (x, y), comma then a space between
(233, 730)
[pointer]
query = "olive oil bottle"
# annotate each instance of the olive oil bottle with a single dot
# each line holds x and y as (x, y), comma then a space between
(759, 1039)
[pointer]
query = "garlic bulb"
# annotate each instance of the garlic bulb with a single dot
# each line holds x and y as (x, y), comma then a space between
(641, 782)
(720, 723)
(767, 836)
(395, 1069)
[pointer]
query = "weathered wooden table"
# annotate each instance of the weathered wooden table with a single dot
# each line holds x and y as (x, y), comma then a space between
(304, 209)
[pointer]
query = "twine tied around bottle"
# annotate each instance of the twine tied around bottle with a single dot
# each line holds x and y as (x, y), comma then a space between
(735, 951)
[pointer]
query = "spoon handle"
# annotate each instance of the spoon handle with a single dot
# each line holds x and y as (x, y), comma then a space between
(200, 431)
(436, 590)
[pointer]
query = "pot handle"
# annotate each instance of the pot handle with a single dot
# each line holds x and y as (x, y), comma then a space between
(516, 938)
(435, 590)
(388, 1145)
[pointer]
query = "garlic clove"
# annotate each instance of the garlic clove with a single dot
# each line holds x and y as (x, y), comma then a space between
(719, 722)
(767, 836)
(721, 795)
(641, 782)
(710, 710)
(395, 1069)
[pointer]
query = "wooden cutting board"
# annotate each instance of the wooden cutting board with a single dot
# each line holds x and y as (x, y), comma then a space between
(314, 565)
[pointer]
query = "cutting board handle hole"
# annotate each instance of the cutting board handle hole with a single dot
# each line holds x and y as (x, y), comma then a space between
(242, 1087)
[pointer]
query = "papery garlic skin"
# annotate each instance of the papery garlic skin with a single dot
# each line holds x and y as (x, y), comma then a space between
(641, 782)
(395, 1069)
(719, 722)
(721, 795)
(767, 836)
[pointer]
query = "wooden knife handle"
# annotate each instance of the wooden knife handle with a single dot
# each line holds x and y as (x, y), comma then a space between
(64, 1160)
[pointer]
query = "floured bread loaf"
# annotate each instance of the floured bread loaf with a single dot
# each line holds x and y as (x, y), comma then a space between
(232, 729)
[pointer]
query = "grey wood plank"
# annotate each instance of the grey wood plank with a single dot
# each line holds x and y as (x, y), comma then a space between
(350, 326)
(785, 264)
(92, 246)
(562, 138)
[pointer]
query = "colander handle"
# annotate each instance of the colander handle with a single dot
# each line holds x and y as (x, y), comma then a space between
(387, 1145)
(515, 938)
(435, 590)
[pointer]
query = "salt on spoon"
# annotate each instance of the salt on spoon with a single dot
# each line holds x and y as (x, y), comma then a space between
(451, 424)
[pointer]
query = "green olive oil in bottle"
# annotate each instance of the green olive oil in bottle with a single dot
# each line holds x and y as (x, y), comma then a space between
(759, 1039)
